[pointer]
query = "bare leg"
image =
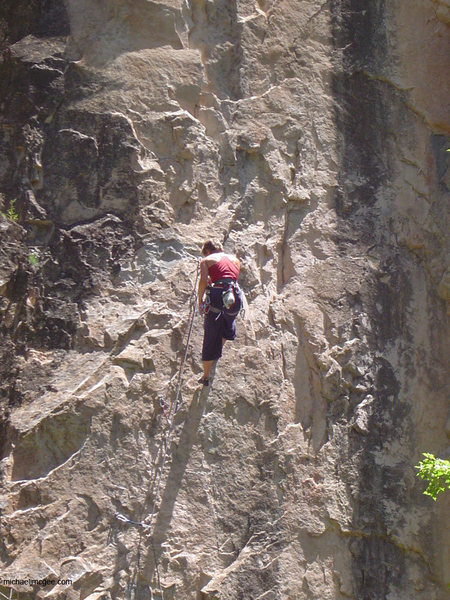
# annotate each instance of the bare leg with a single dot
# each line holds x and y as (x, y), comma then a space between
(207, 364)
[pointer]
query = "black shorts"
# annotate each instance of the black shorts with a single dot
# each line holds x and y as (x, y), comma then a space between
(218, 325)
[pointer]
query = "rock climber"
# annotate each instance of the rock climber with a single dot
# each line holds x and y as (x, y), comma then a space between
(220, 300)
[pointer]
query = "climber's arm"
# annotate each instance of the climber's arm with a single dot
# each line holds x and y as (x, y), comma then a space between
(203, 282)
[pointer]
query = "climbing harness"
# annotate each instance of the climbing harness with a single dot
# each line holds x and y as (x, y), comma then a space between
(231, 291)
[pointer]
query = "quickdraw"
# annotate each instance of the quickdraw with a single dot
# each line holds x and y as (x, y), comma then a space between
(163, 406)
(206, 304)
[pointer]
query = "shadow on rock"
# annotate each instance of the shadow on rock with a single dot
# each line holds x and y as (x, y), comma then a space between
(180, 457)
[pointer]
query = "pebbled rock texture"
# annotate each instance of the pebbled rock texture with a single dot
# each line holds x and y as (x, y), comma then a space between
(311, 138)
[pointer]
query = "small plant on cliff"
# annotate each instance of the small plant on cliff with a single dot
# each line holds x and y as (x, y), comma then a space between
(436, 471)
(11, 213)
(34, 259)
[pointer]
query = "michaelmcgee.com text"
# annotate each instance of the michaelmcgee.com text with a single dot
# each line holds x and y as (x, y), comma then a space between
(39, 582)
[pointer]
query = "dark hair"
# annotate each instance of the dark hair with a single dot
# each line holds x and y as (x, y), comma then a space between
(211, 247)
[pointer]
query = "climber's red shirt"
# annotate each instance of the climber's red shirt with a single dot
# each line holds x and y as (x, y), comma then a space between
(224, 268)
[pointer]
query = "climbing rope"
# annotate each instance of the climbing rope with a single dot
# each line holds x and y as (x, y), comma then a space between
(169, 415)
(174, 406)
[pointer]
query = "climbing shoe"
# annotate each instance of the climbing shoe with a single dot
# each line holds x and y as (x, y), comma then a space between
(204, 381)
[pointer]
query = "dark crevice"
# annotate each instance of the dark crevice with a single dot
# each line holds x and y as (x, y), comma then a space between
(41, 18)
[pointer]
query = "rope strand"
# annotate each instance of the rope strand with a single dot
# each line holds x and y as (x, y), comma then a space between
(175, 403)
(165, 441)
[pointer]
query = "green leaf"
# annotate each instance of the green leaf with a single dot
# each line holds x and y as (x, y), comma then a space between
(436, 471)
(34, 259)
(11, 212)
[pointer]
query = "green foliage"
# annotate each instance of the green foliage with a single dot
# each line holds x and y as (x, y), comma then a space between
(34, 259)
(436, 471)
(11, 213)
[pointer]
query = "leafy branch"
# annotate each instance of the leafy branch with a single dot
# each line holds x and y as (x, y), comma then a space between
(436, 471)
(11, 213)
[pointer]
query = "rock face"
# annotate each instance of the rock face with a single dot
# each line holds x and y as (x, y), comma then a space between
(312, 139)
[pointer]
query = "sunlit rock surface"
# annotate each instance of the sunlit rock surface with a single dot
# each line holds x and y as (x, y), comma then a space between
(312, 139)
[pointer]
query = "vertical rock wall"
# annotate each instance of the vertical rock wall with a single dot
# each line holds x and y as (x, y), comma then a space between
(311, 138)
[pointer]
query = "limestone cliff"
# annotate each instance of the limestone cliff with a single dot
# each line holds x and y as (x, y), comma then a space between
(312, 139)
